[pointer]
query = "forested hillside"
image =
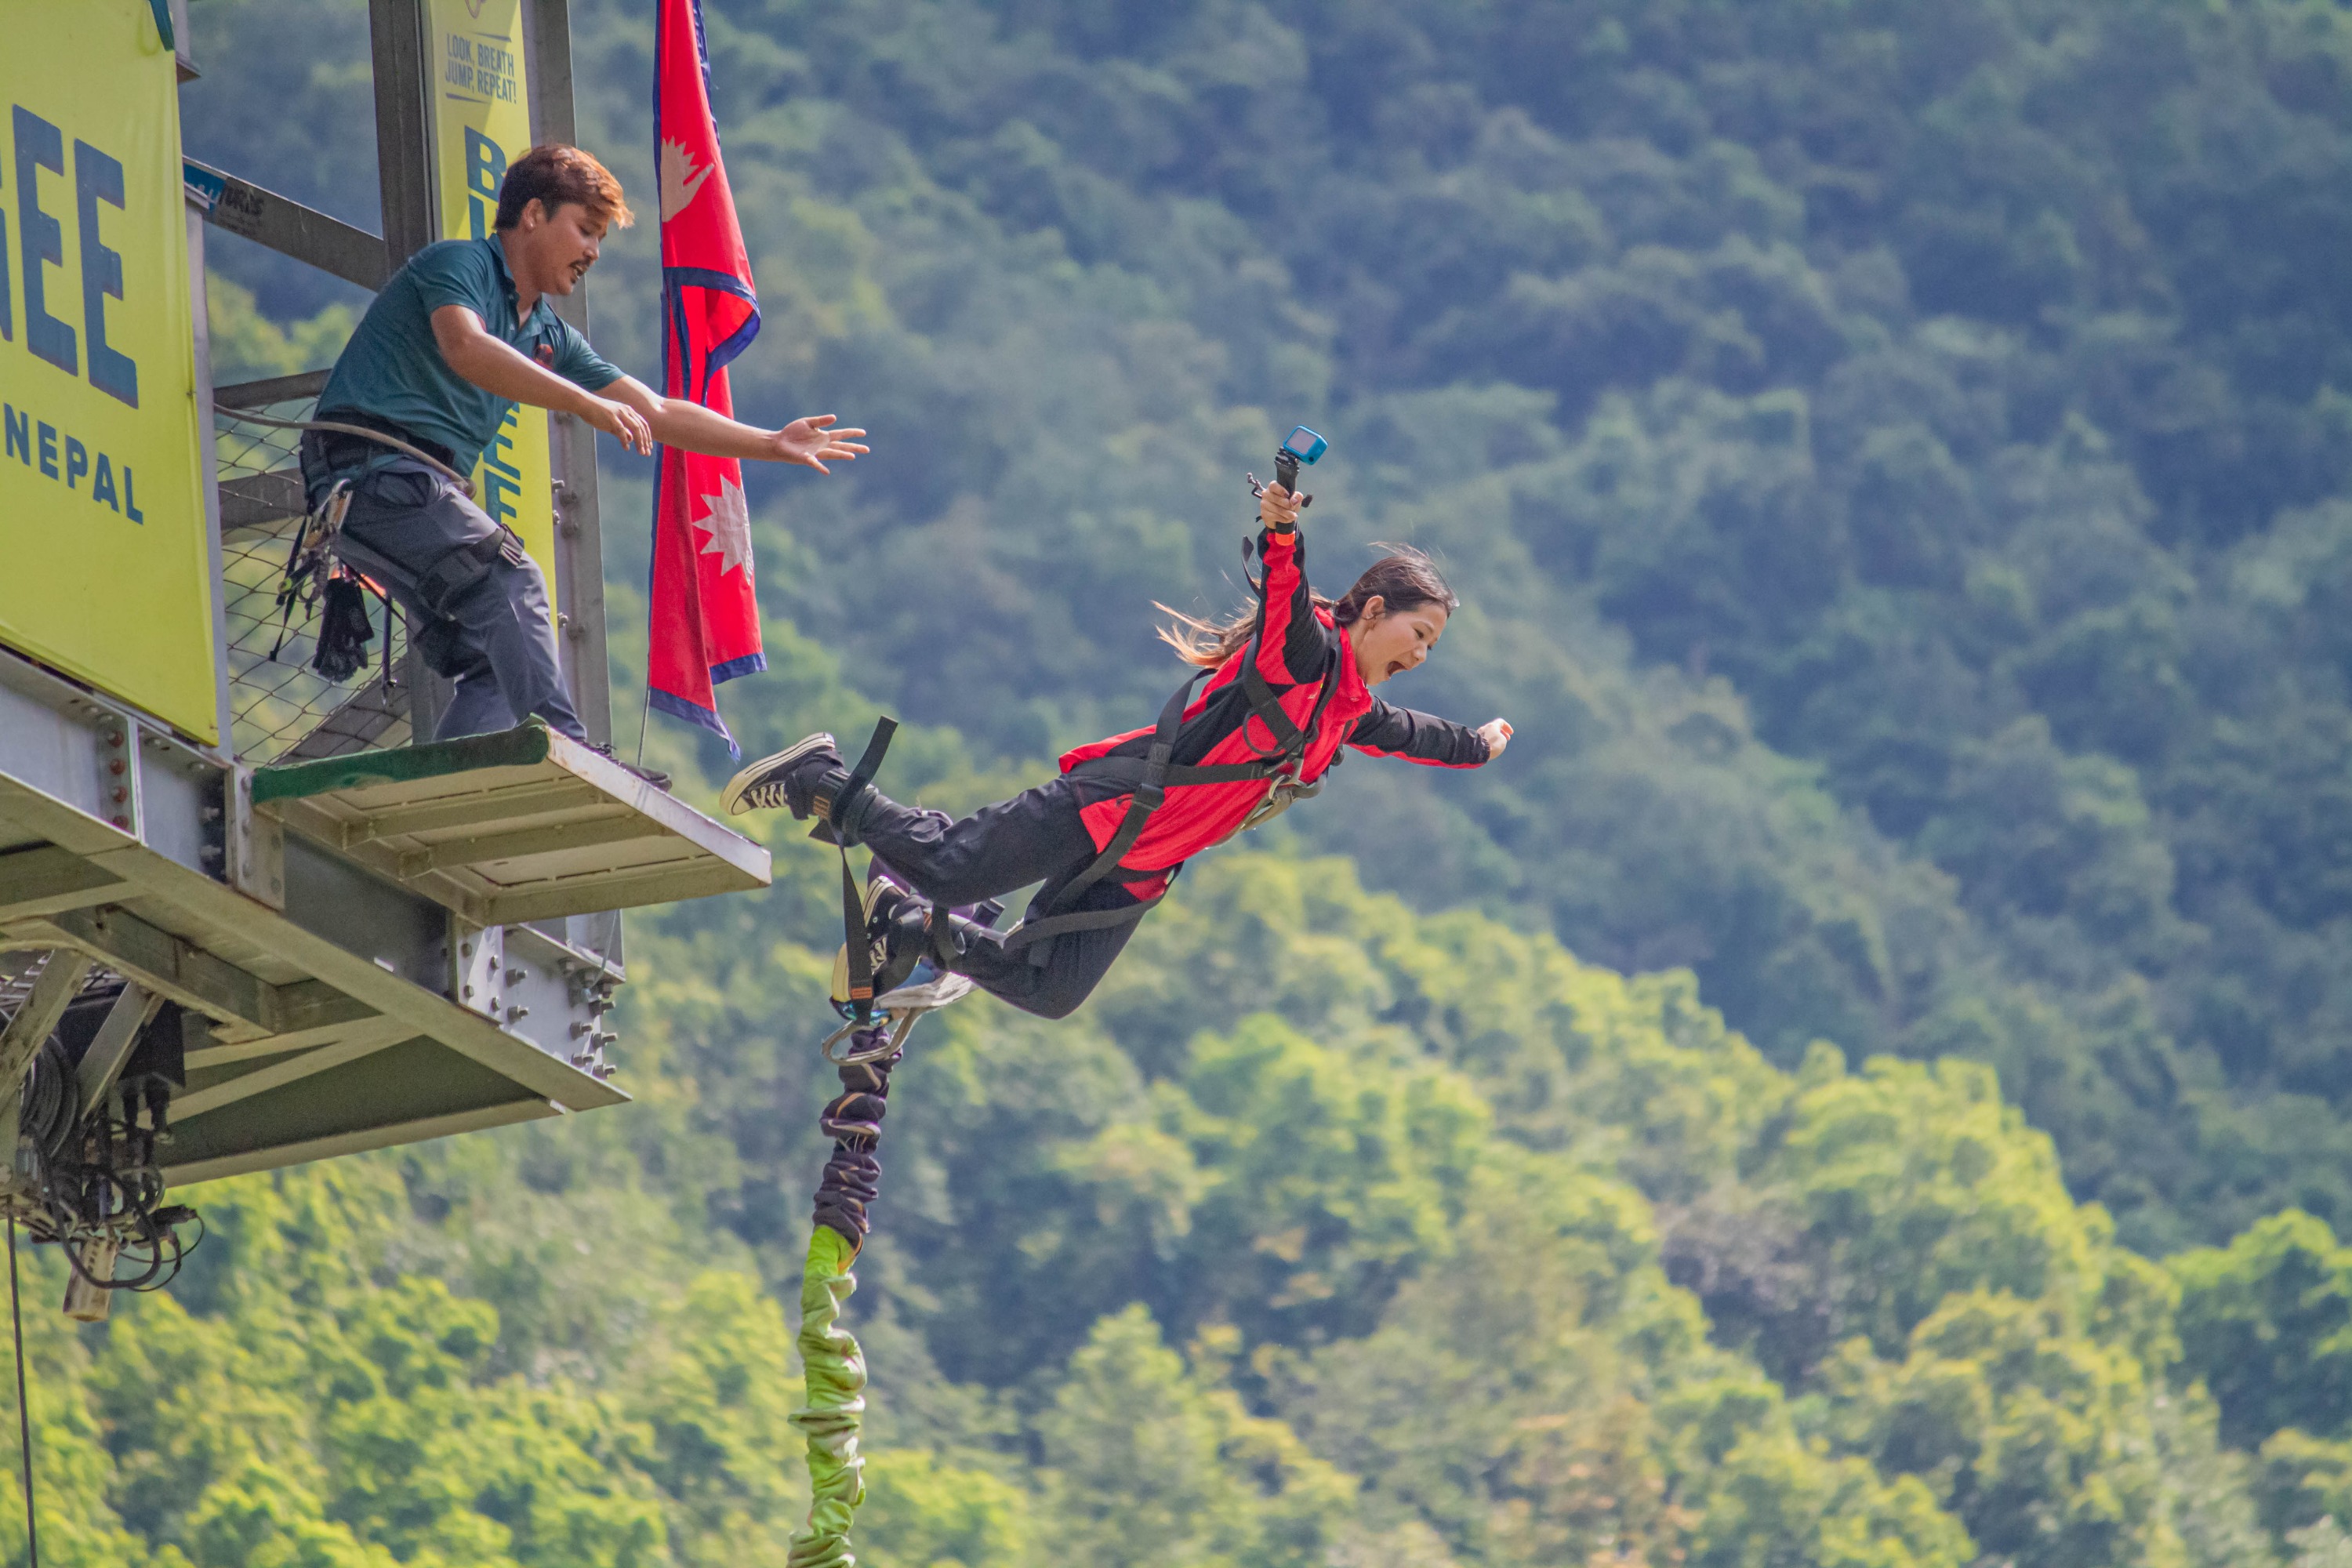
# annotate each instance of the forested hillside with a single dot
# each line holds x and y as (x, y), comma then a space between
(1366, 1253)
(1893, 458)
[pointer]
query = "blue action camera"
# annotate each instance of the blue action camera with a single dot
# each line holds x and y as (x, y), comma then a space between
(1301, 446)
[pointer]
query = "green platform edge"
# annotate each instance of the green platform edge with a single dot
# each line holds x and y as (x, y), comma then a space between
(520, 747)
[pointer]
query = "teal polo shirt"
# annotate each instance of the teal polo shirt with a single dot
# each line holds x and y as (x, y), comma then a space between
(393, 369)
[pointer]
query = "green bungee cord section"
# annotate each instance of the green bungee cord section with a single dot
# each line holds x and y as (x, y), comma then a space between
(833, 1370)
(833, 1366)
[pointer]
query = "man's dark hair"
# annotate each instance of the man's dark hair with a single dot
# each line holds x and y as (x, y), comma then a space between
(554, 173)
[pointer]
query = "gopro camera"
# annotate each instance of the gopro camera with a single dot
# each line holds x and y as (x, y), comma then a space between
(1302, 446)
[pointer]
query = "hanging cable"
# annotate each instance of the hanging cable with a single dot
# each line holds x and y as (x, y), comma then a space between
(24, 1409)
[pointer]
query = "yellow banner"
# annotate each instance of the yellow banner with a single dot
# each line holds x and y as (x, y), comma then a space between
(105, 572)
(481, 122)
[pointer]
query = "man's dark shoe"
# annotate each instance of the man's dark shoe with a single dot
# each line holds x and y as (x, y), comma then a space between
(653, 776)
(788, 780)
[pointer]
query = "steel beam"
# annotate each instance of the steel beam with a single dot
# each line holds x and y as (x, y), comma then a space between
(287, 226)
(403, 144)
(257, 502)
(50, 881)
(229, 1053)
(161, 961)
(300, 387)
(224, 748)
(189, 1104)
(59, 982)
(505, 1114)
(579, 521)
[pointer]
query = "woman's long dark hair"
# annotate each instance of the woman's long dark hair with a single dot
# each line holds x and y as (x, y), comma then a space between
(1402, 580)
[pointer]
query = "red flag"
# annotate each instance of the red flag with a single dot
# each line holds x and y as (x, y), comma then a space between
(706, 615)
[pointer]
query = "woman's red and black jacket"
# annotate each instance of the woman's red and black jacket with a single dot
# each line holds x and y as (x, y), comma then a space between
(1291, 698)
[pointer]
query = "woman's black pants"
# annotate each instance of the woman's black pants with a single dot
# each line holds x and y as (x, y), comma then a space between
(1000, 849)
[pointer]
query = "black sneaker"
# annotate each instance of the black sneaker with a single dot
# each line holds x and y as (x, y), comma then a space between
(787, 780)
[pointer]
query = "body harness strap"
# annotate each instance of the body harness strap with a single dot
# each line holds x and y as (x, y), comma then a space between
(852, 907)
(1152, 776)
(312, 564)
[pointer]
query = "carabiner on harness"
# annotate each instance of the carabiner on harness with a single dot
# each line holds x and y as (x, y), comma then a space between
(1285, 790)
(310, 560)
(900, 1009)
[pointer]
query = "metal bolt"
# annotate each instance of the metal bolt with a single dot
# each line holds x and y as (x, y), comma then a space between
(580, 1030)
(120, 795)
(514, 1014)
(601, 1038)
(116, 766)
(124, 822)
(518, 973)
(468, 991)
(466, 948)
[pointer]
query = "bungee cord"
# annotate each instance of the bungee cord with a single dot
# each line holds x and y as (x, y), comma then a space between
(833, 1363)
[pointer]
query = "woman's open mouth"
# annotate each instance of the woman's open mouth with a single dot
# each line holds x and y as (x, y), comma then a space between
(1396, 666)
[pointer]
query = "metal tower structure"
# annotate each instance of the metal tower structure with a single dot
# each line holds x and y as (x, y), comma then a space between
(245, 923)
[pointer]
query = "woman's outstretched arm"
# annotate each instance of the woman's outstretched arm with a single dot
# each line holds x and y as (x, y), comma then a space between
(1391, 732)
(1292, 645)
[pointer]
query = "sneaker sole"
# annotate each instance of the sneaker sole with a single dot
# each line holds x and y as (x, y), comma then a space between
(731, 797)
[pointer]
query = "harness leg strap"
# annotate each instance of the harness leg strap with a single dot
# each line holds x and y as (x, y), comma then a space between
(843, 812)
(840, 815)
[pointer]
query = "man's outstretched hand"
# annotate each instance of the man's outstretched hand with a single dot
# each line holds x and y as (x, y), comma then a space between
(812, 441)
(620, 420)
(1496, 734)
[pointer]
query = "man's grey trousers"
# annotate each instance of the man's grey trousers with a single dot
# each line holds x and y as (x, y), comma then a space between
(405, 529)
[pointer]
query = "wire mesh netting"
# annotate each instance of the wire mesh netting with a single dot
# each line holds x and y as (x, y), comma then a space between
(280, 706)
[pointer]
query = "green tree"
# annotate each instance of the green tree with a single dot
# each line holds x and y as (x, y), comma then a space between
(2266, 1323)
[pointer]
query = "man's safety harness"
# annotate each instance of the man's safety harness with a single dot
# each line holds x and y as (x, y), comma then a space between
(316, 576)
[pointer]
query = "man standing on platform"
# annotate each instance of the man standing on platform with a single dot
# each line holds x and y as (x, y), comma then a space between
(461, 334)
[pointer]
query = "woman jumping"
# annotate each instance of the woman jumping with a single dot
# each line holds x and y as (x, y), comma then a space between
(1289, 685)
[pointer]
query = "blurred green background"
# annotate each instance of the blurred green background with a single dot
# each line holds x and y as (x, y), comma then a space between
(1894, 458)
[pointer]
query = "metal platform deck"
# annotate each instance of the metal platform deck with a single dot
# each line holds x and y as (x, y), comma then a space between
(520, 825)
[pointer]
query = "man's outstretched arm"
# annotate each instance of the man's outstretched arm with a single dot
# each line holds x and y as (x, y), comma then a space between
(627, 408)
(498, 368)
(694, 428)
